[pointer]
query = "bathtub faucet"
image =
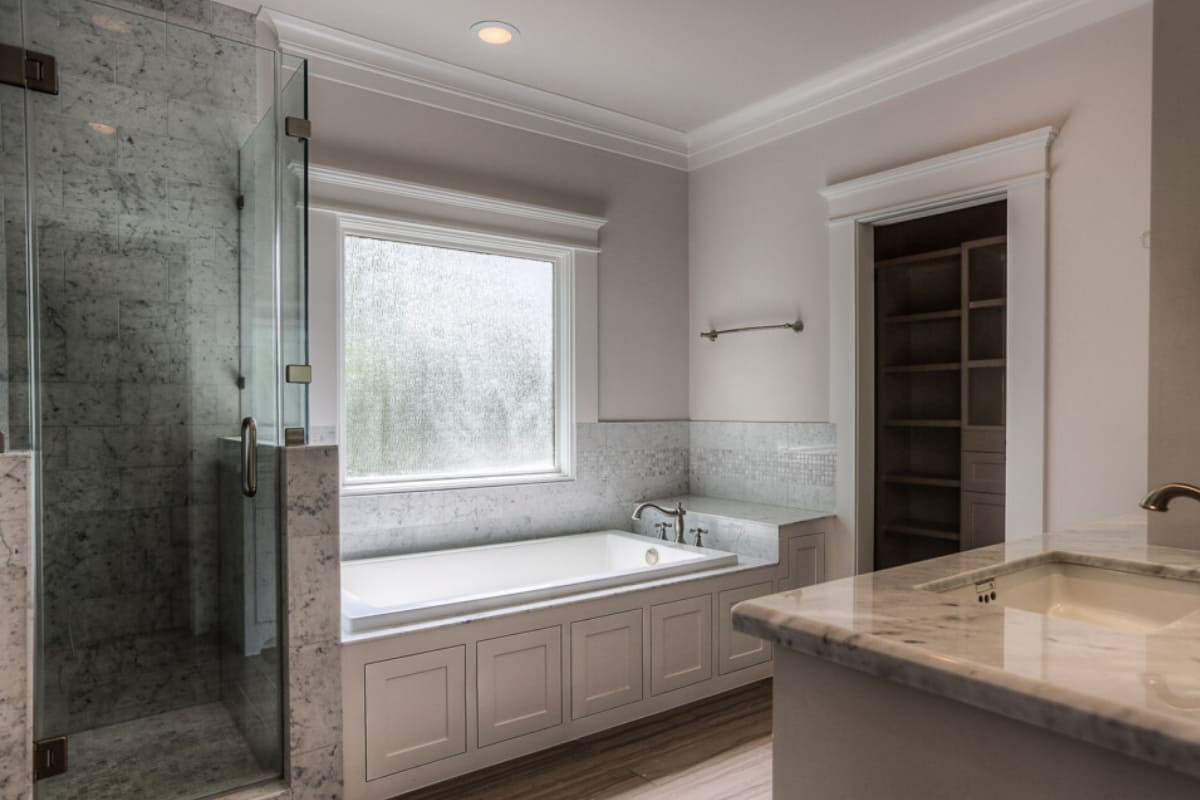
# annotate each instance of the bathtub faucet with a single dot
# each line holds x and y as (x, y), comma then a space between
(676, 512)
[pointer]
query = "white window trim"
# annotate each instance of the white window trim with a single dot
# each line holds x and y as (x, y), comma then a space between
(563, 259)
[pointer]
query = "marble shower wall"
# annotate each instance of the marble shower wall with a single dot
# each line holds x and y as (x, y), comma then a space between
(777, 463)
(136, 180)
(16, 628)
(617, 464)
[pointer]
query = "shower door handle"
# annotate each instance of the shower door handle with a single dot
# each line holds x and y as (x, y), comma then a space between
(249, 457)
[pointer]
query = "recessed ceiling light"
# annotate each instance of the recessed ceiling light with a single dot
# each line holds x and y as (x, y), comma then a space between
(493, 31)
(102, 128)
(111, 24)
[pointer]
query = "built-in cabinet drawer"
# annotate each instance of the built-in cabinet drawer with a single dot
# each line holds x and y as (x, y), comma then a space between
(982, 519)
(417, 710)
(606, 662)
(983, 472)
(519, 684)
(737, 650)
(680, 643)
(804, 559)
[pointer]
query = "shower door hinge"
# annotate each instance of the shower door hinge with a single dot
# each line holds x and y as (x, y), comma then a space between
(27, 69)
(241, 202)
(49, 757)
(298, 127)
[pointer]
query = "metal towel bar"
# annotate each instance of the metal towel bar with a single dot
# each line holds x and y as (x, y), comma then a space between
(712, 335)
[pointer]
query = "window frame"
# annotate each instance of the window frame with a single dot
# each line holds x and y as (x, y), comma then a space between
(562, 259)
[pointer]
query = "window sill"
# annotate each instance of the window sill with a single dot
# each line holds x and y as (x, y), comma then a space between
(450, 484)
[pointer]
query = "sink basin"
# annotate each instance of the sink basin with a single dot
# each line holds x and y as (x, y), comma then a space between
(1111, 598)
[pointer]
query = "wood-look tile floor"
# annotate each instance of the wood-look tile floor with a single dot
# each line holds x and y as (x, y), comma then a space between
(716, 749)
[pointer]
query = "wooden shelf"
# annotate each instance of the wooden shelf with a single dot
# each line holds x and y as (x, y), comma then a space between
(984, 363)
(923, 480)
(926, 530)
(924, 423)
(950, 256)
(998, 302)
(949, 366)
(925, 316)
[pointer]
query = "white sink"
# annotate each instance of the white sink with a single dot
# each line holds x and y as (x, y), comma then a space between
(1122, 601)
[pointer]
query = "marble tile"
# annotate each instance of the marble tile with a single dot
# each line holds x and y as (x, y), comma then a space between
(316, 706)
(785, 464)
(15, 626)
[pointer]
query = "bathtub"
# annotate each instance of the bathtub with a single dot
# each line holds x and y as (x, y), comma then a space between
(396, 590)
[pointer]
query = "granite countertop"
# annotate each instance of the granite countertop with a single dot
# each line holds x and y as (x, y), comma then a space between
(748, 512)
(1138, 694)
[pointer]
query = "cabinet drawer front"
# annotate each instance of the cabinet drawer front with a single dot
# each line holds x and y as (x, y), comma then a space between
(982, 519)
(736, 650)
(606, 662)
(983, 472)
(983, 441)
(416, 710)
(520, 684)
(680, 643)
(804, 558)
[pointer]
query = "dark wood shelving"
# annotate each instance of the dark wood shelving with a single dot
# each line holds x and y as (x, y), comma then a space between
(927, 530)
(925, 316)
(935, 481)
(949, 366)
(940, 395)
(924, 423)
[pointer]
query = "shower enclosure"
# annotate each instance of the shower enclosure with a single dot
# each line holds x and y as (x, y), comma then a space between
(154, 179)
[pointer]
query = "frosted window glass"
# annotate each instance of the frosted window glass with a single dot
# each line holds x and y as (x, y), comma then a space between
(449, 362)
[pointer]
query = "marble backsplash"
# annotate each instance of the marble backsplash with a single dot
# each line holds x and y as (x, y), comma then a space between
(618, 464)
(777, 463)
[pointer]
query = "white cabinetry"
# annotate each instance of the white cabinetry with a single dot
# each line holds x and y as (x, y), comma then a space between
(606, 662)
(519, 682)
(680, 643)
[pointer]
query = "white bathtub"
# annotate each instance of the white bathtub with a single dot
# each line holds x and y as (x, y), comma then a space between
(395, 590)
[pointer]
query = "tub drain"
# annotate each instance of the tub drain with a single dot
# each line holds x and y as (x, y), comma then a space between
(651, 556)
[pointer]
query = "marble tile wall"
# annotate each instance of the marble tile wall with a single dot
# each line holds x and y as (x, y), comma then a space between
(136, 180)
(778, 463)
(617, 464)
(16, 628)
(310, 476)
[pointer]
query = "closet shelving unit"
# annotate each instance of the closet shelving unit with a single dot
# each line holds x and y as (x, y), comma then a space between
(940, 379)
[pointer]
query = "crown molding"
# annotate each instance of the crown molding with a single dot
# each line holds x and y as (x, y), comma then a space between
(353, 60)
(355, 192)
(997, 30)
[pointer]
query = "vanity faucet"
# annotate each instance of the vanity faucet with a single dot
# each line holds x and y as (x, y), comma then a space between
(677, 513)
(1158, 499)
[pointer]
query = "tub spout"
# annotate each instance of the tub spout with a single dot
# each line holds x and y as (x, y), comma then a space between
(676, 513)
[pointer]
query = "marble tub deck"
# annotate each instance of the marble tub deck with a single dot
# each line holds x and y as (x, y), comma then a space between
(1137, 694)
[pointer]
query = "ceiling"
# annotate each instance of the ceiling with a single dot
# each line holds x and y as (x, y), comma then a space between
(676, 63)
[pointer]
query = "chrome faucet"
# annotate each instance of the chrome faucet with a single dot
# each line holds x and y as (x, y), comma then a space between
(676, 512)
(1158, 499)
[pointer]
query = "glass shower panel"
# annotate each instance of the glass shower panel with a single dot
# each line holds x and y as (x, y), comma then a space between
(155, 214)
(14, 296)
(293, 102)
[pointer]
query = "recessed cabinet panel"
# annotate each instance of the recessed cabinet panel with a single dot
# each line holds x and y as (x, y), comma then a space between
(737, 650)
(982, 519)
(606, 662)
(983, 472)
(417, 710)
(805, 558)
(520, 684)
(680, 643)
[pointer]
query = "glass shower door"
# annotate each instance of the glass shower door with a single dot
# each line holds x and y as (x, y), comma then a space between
(155, 231)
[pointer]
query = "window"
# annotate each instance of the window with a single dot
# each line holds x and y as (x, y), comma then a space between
(456, 359)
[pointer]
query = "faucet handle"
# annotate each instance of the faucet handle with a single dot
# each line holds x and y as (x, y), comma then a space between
(661, 527)
(699, 532)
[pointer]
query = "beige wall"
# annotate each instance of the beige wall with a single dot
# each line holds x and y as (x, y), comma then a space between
(1175, 267)
(759, 253)
(643, 311)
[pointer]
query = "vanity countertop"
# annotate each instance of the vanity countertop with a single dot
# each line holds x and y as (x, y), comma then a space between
(1137, 694)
